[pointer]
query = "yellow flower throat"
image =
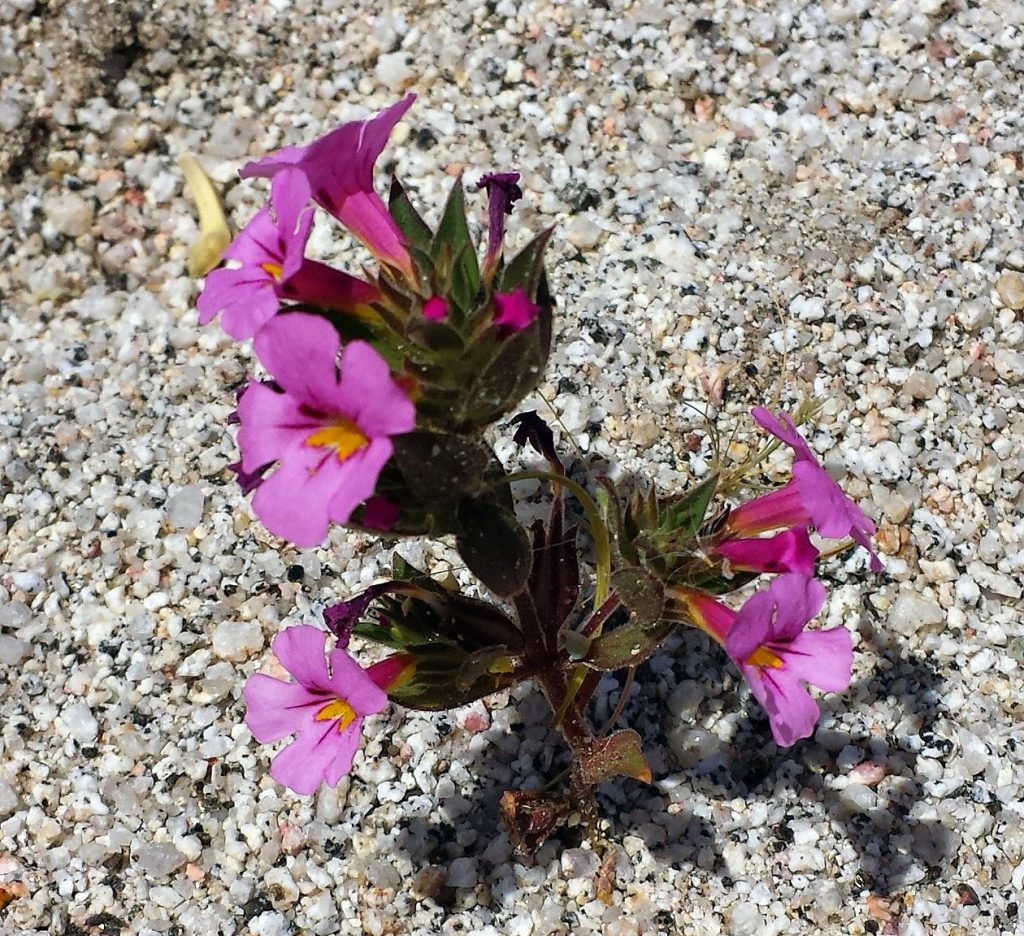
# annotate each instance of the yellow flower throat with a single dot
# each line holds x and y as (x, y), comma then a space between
(339, 709)
(343, 435)
(764, 657)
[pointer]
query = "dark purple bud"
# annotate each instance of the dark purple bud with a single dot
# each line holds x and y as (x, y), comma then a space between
(248, 481)
(503, 192)
(342, 617)
(534, 431)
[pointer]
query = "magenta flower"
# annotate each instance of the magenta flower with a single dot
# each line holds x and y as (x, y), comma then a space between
(339, 169)
(767, 640)
(789, 551)
(812, 497)
(325, 708)
(435, 309)
(515, 310)
(271, 250)
(330, 435)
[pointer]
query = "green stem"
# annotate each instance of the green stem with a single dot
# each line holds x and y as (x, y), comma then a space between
(602, 540)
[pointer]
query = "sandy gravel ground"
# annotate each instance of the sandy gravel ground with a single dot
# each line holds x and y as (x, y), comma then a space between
(754, 201)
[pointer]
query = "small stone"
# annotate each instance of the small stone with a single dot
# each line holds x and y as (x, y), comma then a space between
(858, 797)
(1010, 287)
(185, 508)
(919, 88)
(462, 873)
(394, 69)
(14, 615)
(912, 613)
(68, 212)
(8, 799)
(428, 882)
(270, 923)
(166, 897)
(158, 859)
(869, 773)
(583, 233)
(745, 920)
(80, 722)
(237, 640)
(12, 650)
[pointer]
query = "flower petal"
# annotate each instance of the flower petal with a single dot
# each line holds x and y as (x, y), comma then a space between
(785, 430)
(352, 684)
(370, 395)
(275, 709)
(345, 752)
(272, 425)
(302, 766)
(301, 353)
(246, 297)
(789, 551)
(822, 658)
(798, 600)
(356, 479)
(301, 650)
(294, 501)
(751, 627)
(792, 712)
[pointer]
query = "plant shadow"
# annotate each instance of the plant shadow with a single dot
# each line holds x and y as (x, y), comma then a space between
(858, 777)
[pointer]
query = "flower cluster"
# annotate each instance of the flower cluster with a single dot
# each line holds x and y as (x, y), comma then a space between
(373, 412)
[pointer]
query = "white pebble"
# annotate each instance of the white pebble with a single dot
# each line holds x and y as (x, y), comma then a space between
(80, 722)
(8, 799)
(185, 508)
(237, 640)
(462, 873)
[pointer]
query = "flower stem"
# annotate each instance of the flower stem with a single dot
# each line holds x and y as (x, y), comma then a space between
(602, 539)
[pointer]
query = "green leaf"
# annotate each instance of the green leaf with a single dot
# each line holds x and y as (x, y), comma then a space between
(513, 372)
(436, 685)
(408, 219)
(719, 584)
(494, 545)
(437, 337)
(628, 645)
(526, 269)
(454, 242)
(618, 755)
(441, 466)
(682, 518)
(642, 593)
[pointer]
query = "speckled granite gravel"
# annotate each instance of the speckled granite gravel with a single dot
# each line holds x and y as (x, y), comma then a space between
(764, 200)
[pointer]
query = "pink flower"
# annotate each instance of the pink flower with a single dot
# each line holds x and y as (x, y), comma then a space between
(812, 497)
(325, 708)
(789, 551)
(329, 434)
(435, 309)
(339, 169)
(270, 250)
(766, 639)
(515, 311)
